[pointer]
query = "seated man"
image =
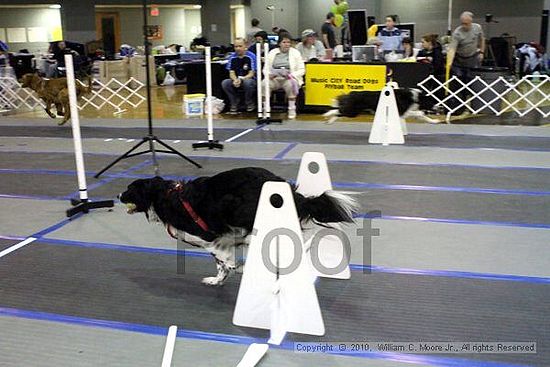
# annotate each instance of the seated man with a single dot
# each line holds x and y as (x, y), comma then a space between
(241, 66)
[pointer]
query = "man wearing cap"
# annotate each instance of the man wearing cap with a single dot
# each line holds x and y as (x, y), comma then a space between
(310, 47)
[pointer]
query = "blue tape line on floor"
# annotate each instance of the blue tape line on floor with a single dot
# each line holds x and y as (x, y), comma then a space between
(56, 226)
(457, 221)
(341, 185)
(353, 267)
(344, 161)
(32, 197)
(241, 340)
(285, 151)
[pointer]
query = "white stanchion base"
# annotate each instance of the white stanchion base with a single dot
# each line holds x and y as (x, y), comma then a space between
(287, 301)
(253, 355)
(387, 128)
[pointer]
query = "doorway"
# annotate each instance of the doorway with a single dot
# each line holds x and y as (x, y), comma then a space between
(107, 27)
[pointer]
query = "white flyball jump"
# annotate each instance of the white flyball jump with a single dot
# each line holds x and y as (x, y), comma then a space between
(211, 143)
(330, 252)
(84, 204)
(276, 291)
(387, 127)
(264, 112)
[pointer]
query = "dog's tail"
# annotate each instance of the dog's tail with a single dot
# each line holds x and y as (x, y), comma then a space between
(330, 207)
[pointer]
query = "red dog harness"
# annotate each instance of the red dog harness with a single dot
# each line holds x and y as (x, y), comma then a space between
(189, 209)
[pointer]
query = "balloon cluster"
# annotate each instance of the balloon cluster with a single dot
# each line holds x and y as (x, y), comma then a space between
(339, 8)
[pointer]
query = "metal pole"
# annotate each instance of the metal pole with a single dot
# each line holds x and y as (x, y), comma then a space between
(148, 88)
(75, 124)
(450, 18)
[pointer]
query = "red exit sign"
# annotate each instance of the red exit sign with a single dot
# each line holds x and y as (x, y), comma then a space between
(155, 11)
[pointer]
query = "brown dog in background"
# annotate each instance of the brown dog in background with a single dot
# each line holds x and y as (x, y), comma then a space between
(54, 91)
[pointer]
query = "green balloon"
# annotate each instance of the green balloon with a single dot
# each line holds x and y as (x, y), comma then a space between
(339, 11)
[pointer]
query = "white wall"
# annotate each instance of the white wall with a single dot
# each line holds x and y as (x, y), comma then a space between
(287, 18)
(179, 25)
(46, 18)
(240, 22)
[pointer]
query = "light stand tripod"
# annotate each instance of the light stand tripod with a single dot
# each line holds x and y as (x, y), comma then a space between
(150, 138)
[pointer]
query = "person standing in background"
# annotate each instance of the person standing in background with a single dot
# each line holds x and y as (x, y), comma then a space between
(467, 47)
(465, 52)
(250, 34)
(390, 36)
(327, 30)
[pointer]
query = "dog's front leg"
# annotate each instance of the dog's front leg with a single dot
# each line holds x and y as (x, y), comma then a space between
(59, 108)
(224, 270)
(66, 117)
(47, 108)
(225, 263)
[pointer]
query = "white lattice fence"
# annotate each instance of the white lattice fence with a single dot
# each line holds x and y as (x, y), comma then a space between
(498, 96)
(13, 97)
(114, 93)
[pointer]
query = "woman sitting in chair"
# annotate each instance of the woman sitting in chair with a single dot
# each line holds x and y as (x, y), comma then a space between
(286, 72)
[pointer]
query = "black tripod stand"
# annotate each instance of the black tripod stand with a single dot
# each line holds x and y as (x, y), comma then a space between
(150, 138)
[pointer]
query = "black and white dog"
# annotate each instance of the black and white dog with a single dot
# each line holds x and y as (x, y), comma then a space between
(410, 103)
(218, 212)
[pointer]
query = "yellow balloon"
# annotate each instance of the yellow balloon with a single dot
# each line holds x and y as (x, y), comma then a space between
(371, 33)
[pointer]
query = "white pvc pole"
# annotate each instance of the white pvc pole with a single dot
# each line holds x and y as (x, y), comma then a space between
(209, 93)
(267, 109)
(75, 123)
(259, 77)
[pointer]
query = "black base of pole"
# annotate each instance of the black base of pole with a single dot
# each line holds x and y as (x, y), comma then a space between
(268, 120)
(148, 139)
(210, 144)
(84, 206)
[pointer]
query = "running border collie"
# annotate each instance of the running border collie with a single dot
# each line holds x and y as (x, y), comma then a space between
(217, 213)
(410, 103)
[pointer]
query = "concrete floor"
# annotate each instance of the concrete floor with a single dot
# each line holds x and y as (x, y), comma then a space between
(461, 256)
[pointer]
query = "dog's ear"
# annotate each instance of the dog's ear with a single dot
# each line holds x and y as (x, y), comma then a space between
(158, 183)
